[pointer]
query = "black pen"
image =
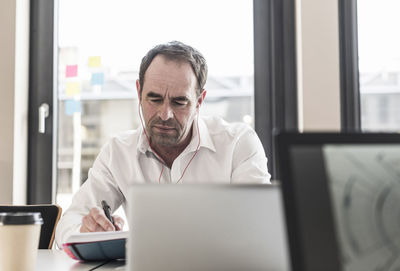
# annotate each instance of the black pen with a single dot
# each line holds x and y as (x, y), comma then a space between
(107, 210)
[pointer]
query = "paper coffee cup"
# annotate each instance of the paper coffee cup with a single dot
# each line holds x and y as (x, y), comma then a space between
(19, 240)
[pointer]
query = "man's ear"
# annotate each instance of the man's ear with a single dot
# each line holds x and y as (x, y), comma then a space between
(201, 98)
(138, 91)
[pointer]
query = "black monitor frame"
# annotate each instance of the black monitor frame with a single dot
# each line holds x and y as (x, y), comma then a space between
(309, 218)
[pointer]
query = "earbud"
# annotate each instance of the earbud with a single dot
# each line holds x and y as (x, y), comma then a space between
(197, 149)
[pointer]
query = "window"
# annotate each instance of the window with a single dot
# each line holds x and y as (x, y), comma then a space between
(84, 60)
(101, 44)
(379, 64)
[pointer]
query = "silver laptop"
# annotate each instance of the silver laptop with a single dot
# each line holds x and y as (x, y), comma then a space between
(206, 227)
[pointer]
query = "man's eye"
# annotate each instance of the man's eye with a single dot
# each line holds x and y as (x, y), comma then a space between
(179, 103)
(157, 101)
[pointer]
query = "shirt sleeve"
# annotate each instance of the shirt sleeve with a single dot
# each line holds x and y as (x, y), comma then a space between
(100, 185)
(249, 163)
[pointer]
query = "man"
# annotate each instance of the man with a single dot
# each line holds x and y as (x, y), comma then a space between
(173, 144)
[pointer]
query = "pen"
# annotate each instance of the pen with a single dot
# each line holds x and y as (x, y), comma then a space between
(107, 210)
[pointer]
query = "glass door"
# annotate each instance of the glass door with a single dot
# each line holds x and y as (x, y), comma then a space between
(100, 47)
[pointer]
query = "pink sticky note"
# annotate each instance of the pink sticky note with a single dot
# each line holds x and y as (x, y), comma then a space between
(71, 71)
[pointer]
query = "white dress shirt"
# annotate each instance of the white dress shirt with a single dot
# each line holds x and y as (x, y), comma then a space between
(228, 153)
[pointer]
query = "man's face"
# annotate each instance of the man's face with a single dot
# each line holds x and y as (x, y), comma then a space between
(169, 101)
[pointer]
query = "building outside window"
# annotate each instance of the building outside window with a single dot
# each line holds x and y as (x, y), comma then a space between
(379, 64)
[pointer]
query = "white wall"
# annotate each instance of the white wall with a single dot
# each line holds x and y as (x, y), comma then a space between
(14, 44)
(7, 65)
(318, 64)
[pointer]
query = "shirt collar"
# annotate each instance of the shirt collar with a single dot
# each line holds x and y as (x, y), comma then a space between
(205, 138)
(143, 143)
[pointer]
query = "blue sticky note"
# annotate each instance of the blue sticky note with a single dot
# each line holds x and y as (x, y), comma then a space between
(97, 79)
(72, 106)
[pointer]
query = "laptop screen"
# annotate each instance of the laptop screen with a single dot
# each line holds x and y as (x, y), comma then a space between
(342, 198)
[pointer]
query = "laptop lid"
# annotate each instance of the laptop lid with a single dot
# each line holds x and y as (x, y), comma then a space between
(342, 196)
(206, 227)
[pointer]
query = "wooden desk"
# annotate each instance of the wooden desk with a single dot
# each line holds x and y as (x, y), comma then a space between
(50, 260)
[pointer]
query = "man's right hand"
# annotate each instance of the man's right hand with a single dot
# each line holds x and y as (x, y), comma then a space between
(96, 221)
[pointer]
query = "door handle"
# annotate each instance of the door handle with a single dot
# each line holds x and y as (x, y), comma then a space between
(43, 114)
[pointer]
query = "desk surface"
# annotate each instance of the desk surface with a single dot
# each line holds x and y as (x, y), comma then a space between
(49, 260)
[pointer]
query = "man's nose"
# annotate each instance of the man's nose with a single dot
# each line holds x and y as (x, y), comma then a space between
(166, 112)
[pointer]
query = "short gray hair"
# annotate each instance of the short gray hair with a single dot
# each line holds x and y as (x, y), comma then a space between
(176, 50)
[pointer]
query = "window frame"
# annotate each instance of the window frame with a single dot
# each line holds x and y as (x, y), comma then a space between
(275, 86)
(41, 180)
(349, 70)
(275, 73)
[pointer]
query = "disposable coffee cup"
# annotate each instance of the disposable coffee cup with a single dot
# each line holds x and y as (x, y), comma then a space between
(19, 240)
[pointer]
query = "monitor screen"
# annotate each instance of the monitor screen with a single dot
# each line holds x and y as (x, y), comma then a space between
(342, 200)
(364, 187)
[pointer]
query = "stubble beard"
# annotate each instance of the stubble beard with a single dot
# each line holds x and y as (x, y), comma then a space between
(165, 139)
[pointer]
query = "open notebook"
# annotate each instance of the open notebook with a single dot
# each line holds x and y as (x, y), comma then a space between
(96, 246)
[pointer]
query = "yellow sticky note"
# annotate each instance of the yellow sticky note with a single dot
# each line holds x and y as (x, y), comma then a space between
(72, 89)
(94, 61)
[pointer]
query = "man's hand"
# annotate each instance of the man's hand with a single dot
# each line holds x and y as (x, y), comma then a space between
(96, 220)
